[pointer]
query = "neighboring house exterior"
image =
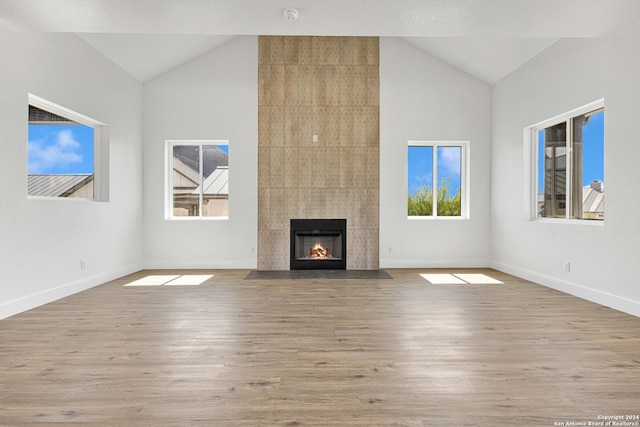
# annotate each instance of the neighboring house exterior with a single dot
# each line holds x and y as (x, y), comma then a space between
(592, 202)
(186, 185)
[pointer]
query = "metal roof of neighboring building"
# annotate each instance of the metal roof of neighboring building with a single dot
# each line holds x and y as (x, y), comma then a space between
(217, 183)
(56, 185)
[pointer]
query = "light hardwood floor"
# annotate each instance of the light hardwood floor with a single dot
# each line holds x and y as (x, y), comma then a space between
(401, 352)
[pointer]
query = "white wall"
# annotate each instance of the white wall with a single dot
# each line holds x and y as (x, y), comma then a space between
(212, 97)
(422, 98)
(43, 241)
(604, 259)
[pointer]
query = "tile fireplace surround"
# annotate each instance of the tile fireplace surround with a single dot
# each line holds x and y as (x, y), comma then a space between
(319, 142)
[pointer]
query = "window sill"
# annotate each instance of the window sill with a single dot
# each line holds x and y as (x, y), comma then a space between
(437, 218)
(562, 221)
(197, 218)
(72, 199)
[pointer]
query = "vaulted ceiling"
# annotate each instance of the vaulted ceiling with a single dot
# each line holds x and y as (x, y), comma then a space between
(485, 38)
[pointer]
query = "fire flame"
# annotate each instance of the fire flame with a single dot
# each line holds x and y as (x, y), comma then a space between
(318, 251)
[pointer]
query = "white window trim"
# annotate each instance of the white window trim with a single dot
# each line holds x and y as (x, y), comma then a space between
(168, 168)
(100, 149)
(531, 165)
(465, 182)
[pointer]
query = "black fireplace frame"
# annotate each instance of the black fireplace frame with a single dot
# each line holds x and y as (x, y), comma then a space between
(318, 227)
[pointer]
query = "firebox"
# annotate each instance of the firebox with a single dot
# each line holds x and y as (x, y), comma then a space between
(318, 244)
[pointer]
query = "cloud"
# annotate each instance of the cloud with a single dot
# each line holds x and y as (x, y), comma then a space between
(58, 154)
(449, 159)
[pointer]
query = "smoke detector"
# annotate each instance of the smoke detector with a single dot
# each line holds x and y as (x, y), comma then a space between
(291, 14)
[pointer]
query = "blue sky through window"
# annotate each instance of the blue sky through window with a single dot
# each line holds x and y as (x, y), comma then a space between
(593, 149)
(60, 149)
(420, 167)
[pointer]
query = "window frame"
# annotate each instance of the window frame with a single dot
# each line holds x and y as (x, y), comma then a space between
(169, 144)
(464, 177)
(531, 139)
(100, 149)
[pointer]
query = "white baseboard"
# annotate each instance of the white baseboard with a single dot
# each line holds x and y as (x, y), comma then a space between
(250, 264)
(16, 306)
(423, 263)
(623, 304)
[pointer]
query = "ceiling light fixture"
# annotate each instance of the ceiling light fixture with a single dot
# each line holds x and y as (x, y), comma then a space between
(291, 14)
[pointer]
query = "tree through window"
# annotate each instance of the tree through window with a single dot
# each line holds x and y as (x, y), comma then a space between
(436, 179)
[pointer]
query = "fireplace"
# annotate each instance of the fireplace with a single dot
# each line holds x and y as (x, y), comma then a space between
(318, 244)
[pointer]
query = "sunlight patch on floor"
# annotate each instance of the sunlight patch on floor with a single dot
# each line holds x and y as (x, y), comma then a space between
(171, 280)
(479, 279)
(190, 280)
(442, 279)
(460, 279)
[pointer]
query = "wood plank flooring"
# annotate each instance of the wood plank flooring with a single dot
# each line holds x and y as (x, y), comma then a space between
(401, 352)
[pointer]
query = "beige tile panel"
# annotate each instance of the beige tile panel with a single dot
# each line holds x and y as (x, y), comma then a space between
(333, 87)
(373, 86)
(346, 167)
(345, 51)
(305, 84)
(264, 125)
(319, 50)
(306, 126)
(373, 167)
(277, 161)
(291, 56)
(291, 168)
(291, 88)
(266, 243)
(319, 85)
(332, 167)
(264, 50)
(356, 249)
(373, 249)
(264, 167)
(332, 203)
(366, 51)
(373, 212)
(329, 87)
(277, 125)
(264, 206)
(264, 84)
(305, 160)
(318, 168)
(277, 79)
(276, 47)
(346, 203)
(318, 203)
(291, 126)
(305, 50)
(346, 126)
(360, 177)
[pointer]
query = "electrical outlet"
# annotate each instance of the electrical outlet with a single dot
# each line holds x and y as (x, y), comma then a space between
(83, 264)
(566, 266)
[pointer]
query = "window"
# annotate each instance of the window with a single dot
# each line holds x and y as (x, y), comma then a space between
(198, 175)
(569, 156)
(65, 153)
(438, 168)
